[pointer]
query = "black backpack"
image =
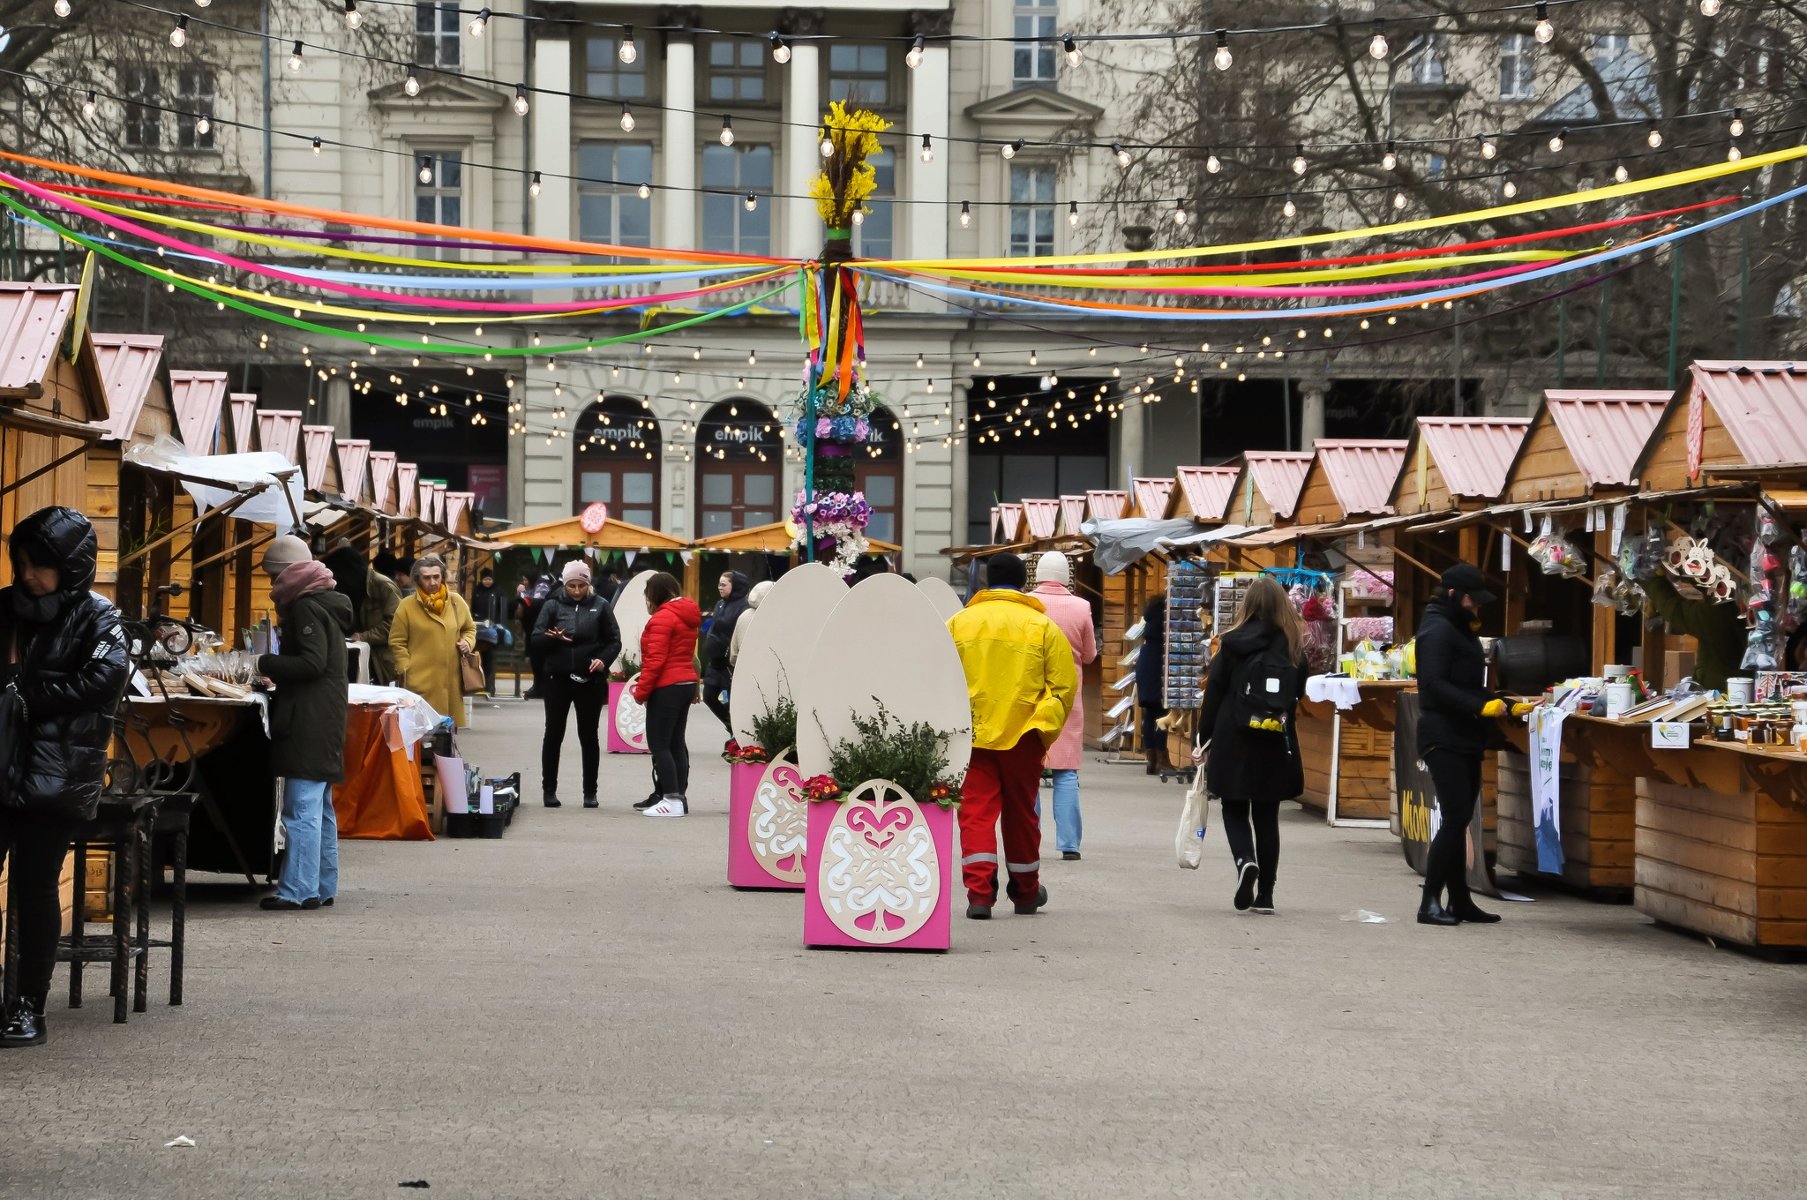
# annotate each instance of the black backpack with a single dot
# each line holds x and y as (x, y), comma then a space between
(1265, 690)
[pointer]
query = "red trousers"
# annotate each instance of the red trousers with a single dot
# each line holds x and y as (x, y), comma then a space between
(1002, 783)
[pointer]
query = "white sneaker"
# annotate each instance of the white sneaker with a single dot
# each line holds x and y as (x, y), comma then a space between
(669, 806)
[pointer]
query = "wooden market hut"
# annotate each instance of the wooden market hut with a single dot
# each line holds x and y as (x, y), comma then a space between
(1123, 597)
(1265, 496)
(1072, 516)
(51, 398)
(1203, 493)
(127, 506)
(1730, 420)
(629, 540)
(1151, 496)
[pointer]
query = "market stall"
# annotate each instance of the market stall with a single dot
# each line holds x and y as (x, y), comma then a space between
(1265, 494)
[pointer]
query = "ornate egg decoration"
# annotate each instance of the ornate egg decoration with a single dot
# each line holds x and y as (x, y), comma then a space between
(778, 828)
(630, 717)
(880, 876)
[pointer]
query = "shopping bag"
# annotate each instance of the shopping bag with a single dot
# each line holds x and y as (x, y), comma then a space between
(470, 668)
(1189, 839)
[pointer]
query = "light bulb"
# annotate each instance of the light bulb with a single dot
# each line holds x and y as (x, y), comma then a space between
(1509, 189)
(1071, 47)
(1620, 174)
(1390, 160)
(1180, 215)
(1223, 58)
(781, 50)
(913, 58)
(1543, 30)
(316, 147)
(479, 23)
(1709, 8)
(1737, 122)
(88, 105)
(928, 150)
(426, 169)
(1655, 139)
(1213, 164)
(966, 214)
(826, 147)
(645, 192)
(751, 202)
(1377, 45)
(1073, 214)
(1299, 159)
(520, 100)
(178, 37)
(353, 18)
(1009, 149)
(1734, 154)
(727, 134)
(61, 7)
(859, 216)
(533, 187)
(975, 362)
(627, 119)
(1399, 200)
(1489, 149)
(1122, 155)
(1289, 208)
(295, 60)
(752, 358)
(411, 84)
(628, 51)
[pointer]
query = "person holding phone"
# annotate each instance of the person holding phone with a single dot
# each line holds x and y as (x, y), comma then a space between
(577, 634)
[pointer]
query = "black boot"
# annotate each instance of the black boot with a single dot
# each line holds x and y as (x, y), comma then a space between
(1465, 909)
(590, 800)
(1028, 908)
(25, 1024)
(647, 803)
(552, 799)
(1432, 912)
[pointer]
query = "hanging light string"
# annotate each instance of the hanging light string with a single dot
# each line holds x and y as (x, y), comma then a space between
(523, 91)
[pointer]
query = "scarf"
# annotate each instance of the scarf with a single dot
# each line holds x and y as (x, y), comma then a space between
(298, 580)
(435, 601)
(38, 610)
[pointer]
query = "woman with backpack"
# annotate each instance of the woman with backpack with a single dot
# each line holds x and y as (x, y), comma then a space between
(1247, 724)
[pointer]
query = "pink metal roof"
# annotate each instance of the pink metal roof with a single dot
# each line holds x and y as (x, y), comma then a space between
(1010, 520)
(243, 406)
(439, 504)
(1474, 454)
(1151, 495)
(1280, 476)
(1072, 513)
(994, 525)
(317, 445)
(1107, 505)
(382, 480)
(33, 318)
(354, 467)
(128, 369)
(197, 397)
(1362, 472)
(279, 430)
(457, 507)
(1042, 515)
(406, 500)
(1763, 405)
(1207, 490)
(1605, 431)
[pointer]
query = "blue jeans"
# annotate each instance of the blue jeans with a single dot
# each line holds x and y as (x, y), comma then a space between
(1067, 826)
(310, 865)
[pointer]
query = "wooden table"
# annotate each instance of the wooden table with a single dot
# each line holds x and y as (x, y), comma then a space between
(1347, 755)
(1601, 763)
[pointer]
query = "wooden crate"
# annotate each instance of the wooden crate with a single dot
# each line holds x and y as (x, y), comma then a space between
(1726, 861)
(1596, 810)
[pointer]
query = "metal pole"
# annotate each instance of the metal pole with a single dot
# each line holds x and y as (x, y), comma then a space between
(1458, 407)
(269, 110)
(1600, 338)
(1562, 341)
(1675, 309)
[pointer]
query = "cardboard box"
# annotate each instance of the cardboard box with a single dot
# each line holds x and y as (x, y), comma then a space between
(1677, 666)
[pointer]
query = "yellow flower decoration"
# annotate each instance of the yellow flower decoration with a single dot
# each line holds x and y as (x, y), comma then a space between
(847, 179)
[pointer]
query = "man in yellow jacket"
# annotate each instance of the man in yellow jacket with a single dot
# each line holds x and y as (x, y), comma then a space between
(1021, 680)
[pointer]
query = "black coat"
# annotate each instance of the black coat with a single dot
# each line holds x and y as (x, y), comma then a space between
(72, 672)
(307, 713)
(486, 605)
(1452, 682)
(717, 670)
(594, 635)
(1245, 765)
(1151, 664)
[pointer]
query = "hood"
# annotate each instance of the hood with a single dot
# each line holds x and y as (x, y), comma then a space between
(738, 586)
(351, 575)
(61, 536)
(1251, 638)
(685, 610)
(758, 593)
(1450, 614)
(335, 605)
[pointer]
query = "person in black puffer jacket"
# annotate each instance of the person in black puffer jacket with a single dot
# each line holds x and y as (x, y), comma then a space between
(579, 639)
(1454, 708)
(1151, 683)
(1251, 772)
(62, 648)
(718, 671)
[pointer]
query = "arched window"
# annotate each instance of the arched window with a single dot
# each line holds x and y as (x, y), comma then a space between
(879, 473)
(740, 468)
(615, 459)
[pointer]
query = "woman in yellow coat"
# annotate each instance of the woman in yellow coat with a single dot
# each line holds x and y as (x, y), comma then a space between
(431, 627)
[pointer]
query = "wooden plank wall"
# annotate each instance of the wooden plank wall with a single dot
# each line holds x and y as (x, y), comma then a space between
(102, 508)
(1731, 864)
(1597, 817)
(21, 453)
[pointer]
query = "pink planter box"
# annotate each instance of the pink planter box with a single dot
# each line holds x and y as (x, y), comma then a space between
(880, 872)
(766, 825)
(626, 720)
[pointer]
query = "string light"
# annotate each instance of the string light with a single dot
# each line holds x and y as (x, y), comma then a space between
(533, 187)
(628, 51)
(1390, 160)
(1558, 140)
(1709, 8)
(178, 37)
(1508, 189)
(1299, 163)
(1543, 30)
(1071, 47)
(88, 105)
(426, 172)
(781, 50)
(627, 119)
(859, 216)
(645, 192)
(1122, 155)
(479, 23)
(411, 82)
(1377, 45)
(1489, 148)
(1289, 208)
(316, 147)
(1073, 214)
(296, 62)
(928, 149)
(913, 58)
(203, 125)
(727, 134)
(826, 146)
(1400, 201)
(520, 100)
(61, 7)
(1737, 127)
(353, 18)
(1213, 164)
(1734, 154)
(1009, 149)
(1619, 173)
(966, 214)
(1655, 138)
(1180, 215)
(1223, 58)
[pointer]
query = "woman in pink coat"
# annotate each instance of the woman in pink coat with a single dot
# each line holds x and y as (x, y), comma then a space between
(1074, 616)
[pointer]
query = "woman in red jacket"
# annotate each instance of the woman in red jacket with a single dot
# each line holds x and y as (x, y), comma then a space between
(667, 688)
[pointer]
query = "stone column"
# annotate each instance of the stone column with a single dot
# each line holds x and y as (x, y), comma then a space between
(801, 229)
(678, 149)
(550, 215)
(960, 483)
(926, 183)
(1311, 413)
(1132, 456)
(335, 406)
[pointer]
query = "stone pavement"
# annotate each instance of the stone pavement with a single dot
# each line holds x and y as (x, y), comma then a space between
(586, 1009)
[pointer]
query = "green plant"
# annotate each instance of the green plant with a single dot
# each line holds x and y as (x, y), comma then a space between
(775, 729)
(630, 667)
(912, 756)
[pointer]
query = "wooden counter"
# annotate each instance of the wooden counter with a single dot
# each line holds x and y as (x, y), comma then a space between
(1601, 763)
(1350, 753)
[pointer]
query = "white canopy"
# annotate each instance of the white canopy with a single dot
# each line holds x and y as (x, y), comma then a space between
(272, 483)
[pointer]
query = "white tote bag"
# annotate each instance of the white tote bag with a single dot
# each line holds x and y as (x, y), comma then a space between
(1189, 839)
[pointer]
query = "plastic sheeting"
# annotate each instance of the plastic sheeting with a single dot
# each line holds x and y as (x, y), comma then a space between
(1119, 545)
(216, 479)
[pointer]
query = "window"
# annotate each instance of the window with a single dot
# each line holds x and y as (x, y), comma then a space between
(616, 460)
(1033, 61)
(436, 34)
(609, 208)
(878, 472)
(1426, 63)
(1608, 47)
(874, 237)
(194, 99)
(729, 173)
(736, 72)
(1031, 209)
(739, 468)
(1518, 67)
(141, 88)
(608, 78)
(859, 74)
(441, 199)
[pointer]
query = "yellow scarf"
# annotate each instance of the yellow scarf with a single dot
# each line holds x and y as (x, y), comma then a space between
(435, 601)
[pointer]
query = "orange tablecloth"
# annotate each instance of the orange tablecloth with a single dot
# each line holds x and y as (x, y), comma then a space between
(381, 797)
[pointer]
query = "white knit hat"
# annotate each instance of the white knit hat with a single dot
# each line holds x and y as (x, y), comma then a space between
(577, 568)
(1052, 568)
(285, 551)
